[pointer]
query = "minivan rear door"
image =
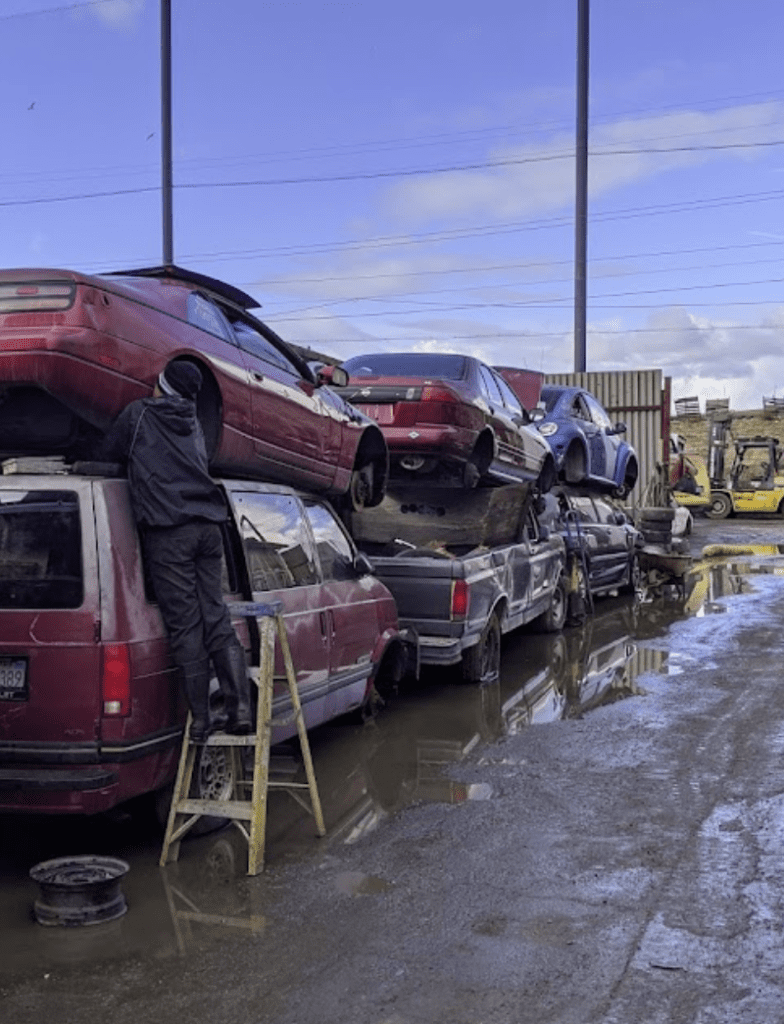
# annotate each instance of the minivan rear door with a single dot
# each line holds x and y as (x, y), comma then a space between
(49, 617)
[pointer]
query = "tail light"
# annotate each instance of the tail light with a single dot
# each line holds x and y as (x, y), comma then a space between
(459, 608)
(439, 404)
(36, 296)
(116, 679)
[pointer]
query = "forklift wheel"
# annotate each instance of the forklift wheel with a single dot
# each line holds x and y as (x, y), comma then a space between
(720, 506)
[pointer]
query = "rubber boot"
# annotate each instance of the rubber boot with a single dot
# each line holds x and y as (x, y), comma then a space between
(196, 682)
(232, 672)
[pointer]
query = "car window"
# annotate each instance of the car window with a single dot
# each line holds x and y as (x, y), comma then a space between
(583, 509)
(490, 387)
(253, 341)
(334, 550)
(511, 401)
(40, 549)
(605, 513)
(579, 409)
(433, 365)
(598, 415)
(278, 548)
(207, 317)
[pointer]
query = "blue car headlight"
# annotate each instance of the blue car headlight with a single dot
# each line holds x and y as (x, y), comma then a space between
(548, 429)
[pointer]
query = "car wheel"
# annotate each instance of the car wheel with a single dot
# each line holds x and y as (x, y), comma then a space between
(575, 464)
(634, 577)
(552, 621)
(360, 492)
(482, 662)
(213, 779)
(547, 475)
(720, 506)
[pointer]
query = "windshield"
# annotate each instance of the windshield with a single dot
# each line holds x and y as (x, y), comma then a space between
(407, 364)
(549, 397)
(40, 549)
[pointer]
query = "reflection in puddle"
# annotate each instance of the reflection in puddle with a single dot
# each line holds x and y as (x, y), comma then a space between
(710, 582)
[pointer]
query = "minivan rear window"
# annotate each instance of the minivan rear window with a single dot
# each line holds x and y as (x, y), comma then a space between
(40, 549)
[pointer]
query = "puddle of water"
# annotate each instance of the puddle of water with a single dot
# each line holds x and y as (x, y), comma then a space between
(365, 773)
(355, 883)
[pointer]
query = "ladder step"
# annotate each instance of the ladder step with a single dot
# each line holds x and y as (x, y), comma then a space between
(241, 809)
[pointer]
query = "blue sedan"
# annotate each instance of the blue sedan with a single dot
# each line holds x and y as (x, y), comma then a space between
(588, 447)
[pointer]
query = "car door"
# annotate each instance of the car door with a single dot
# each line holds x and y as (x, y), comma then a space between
(297, 434)
(348, 607)
(509, 443)
(281, 566)
(594, 436)
(609, 441)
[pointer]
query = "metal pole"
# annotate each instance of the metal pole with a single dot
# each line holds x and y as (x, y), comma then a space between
(581, 188)
(166, 133)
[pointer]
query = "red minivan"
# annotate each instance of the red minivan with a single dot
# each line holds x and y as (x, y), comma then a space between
(91, 712)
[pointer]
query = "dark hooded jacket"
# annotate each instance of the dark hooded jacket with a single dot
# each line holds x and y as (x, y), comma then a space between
(161, 442)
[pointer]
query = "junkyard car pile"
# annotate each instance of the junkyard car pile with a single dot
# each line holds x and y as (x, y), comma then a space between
(429, 463)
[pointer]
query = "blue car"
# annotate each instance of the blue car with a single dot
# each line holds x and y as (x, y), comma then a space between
(588, 447)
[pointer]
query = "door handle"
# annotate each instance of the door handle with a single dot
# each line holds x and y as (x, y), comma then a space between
(257, 376)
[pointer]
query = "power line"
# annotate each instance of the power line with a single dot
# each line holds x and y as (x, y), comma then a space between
(54, 10)
(379, 175)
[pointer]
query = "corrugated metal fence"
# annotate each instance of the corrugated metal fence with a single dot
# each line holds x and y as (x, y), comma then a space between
(641, 399)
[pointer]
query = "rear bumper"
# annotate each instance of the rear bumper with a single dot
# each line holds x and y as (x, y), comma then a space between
(58, 790)
(432, 440)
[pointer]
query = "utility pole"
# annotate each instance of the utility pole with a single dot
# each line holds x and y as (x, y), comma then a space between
(166, 133)
(581, 188)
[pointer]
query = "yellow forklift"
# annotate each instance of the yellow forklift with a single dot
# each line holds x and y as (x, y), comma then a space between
(755, 481)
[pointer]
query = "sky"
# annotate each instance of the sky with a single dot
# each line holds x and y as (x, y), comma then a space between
(400, 176)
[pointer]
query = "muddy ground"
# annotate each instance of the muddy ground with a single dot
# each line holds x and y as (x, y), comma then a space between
(584, 856)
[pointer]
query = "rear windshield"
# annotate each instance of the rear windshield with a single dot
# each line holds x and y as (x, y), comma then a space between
(40, 549)
(407, 364)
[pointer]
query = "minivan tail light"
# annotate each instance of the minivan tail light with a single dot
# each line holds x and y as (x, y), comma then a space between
(459, 608)
(116, 679)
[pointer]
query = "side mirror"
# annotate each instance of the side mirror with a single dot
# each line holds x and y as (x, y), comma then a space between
(619, 428)
(336, 376)
(536, 414)
(362, 563)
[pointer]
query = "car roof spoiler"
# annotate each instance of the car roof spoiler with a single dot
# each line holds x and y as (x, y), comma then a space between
(212, 284)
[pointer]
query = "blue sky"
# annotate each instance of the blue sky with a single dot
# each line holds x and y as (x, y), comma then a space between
(399, 176)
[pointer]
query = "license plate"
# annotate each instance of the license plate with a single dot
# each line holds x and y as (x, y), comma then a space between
(379, 413)
(13, 679)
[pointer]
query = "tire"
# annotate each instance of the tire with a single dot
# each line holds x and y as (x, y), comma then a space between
(657, 515)
(656, 536)
(574, 465)
(482, 662)
(720, 506)
(213, 778)
(634, 577)
(360, 491)
(552, 621)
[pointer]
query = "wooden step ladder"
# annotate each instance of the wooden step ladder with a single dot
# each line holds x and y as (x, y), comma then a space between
(247, 812)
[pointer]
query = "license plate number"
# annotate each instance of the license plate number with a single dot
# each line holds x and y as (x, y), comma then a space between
(13, 679)
(379, 413)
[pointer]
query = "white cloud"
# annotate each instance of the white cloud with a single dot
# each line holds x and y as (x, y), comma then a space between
(543, 179)
(121, 14)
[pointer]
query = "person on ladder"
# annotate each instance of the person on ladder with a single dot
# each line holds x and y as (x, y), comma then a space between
(179, 509)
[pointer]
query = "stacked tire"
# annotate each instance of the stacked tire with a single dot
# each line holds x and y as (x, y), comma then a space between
(655, 525)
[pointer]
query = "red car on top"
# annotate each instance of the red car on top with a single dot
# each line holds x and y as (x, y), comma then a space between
(450, 417)
(75, 349)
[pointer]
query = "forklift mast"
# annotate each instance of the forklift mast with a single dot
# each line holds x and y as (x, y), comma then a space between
(718, 436)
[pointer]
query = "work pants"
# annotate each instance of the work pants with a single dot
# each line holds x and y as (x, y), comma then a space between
(184, 563)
